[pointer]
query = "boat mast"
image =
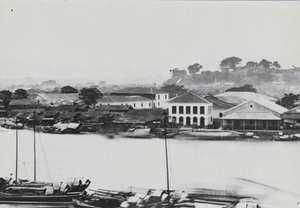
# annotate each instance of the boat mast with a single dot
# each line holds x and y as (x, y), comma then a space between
(17, 150)
(167, 163)
(34, 145)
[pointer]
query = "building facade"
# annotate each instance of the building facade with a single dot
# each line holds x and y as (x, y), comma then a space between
(260, 114)
(191, 110)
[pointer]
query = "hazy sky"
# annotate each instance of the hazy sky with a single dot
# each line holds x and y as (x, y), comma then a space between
(141, 40)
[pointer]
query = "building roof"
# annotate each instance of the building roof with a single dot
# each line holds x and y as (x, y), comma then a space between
(114, 108)
(58, 96)
(22, 102)
(251, 116)
(189, 97)
(263, 102)
(294, 113)
(121, 98)
(139, 90)
(217, 103)
(241, 97)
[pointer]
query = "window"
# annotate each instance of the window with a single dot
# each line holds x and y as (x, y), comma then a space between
(158, 96)
(133, 104)
(188, 109)
(158, 103)
(166, 97)
(180, 109)
(195, 110)
(202, 110)
(149, 104)
(174, 109)
(142, 104)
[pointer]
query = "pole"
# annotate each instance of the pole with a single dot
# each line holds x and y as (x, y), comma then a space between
(167, 163)
(34, 144)
(17, 156)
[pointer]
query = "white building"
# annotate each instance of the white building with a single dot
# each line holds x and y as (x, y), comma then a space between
(190, 109)
(157, 97)
(137, 102)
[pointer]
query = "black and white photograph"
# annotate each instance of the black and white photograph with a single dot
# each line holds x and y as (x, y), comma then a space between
(150, 103)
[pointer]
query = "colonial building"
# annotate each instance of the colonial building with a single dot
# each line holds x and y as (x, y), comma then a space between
(137, 102)
(259, 114)
(291, 118)
(190, 109)
(158, 98)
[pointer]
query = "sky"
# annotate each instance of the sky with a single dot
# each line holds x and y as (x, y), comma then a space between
(141, 41)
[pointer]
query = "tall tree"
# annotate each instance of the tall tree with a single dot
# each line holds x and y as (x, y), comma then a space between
(245, 88)
(288, 101)
(174, 90)
(20, 94)
(230, 63)
(68, 89)
(90, 95)
(193, 69)
(5, 96)
(265, 63)
(251, 64)
(276, 64)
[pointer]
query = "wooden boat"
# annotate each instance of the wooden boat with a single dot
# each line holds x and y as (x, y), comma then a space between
(210, 134)
(16, 191)
(140, 132)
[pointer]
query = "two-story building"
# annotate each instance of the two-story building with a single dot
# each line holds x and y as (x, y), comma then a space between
(190, 109)
(158, 98)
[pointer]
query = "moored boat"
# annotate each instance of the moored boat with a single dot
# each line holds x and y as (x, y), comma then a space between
(210, 134)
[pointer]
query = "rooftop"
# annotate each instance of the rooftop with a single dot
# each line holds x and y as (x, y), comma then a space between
(189, 97)
(115, 98)
(139, 90)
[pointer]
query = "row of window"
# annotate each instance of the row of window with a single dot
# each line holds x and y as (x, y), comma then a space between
(158, 97)
(188, 110)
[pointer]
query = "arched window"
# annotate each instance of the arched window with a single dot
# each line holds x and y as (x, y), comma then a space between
(202, 121)
(173, 119)
(181, 120)
(188, 121)
(195, 121)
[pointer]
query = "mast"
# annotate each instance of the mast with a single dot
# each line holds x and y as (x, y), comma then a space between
(34, 144)
(167, 163)
(17, 150)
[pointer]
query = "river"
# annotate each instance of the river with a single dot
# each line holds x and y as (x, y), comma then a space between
(122, 162)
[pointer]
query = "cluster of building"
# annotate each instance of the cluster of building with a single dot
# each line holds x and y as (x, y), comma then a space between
(146, 105)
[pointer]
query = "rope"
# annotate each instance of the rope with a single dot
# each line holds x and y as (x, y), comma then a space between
(40, 139)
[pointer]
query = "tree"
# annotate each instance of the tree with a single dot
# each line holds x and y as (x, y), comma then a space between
(20, 94)
(193, 69)
(5, 96)
(288, 101)
(178, 72)
(245, 88)
(265, 63)
(68, 89)
(276, 65)
(90, 95)
(251, 64)
(174, 90)
(230, 63)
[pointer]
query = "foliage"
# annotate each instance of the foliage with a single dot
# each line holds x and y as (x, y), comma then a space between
(288, 101)
(68, 89)
(276, 65)
(230, 63)
(20, 94)
(5, 96)
(251, 64)
(174, 90)
(193, 69)
(265, 63)
(90, 95)
(178, 73)
(245, 88)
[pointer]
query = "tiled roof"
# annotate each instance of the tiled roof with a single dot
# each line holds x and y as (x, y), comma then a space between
(294, 113)
(295, 110)
(240, 97)
(114, 107)
(189, 97)
(22, 102)
(59, 96)
(217, 103)
(139, 90)
(121, 98)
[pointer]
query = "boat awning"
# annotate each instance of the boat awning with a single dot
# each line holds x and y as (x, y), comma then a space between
(251, 116)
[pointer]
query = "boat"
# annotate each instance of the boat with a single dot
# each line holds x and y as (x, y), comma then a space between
(59, 128)
(138, 132)
(210, 134)
(24, 191)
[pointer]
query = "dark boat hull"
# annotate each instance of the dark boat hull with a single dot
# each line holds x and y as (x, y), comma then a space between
(15, 199)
